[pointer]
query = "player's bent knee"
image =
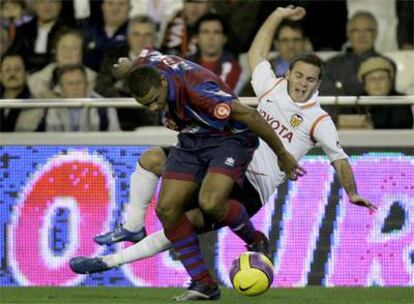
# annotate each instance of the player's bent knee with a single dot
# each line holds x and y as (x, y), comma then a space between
(212, 204)
(153, 160)
(166, 213)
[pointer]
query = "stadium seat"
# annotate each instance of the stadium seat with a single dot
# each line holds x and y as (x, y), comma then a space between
(326, 55)
(405, 71)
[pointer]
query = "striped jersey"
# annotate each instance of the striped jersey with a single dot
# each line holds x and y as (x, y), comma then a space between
(199, 102)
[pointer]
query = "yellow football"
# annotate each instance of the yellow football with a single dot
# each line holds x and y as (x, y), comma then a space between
(251, 273)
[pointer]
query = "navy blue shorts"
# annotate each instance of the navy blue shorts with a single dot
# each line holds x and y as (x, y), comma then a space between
(195, 155)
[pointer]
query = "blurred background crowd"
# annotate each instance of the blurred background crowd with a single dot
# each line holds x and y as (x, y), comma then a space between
(64, 49)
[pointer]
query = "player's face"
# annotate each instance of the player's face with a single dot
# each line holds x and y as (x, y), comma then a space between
(303, 81)
(156, 98)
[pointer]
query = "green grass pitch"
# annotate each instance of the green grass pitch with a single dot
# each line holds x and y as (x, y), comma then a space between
(102, 295)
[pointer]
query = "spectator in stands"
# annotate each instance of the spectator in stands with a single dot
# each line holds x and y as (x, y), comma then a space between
(378, 79)
(324, 24)
(385, 13)
(179, 34)
(289, 42)
(67, 49)
(141, 34)
(161, 11)
(110, 34)
(73, 83)
(211, 37)
(34, 39)
(242, 19)
(13, 86)
(12, 16)
(340, 77)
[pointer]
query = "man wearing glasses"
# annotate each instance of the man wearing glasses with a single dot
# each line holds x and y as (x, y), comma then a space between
(341, 71)
(289, 42)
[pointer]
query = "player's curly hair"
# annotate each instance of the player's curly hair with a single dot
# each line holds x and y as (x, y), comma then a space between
(142, 79)
(309, 58)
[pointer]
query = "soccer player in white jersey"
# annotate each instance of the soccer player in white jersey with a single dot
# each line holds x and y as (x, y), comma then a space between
(291, 107)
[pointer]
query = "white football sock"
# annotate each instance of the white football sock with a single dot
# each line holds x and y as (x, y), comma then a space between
(151, 245)
(142, 185)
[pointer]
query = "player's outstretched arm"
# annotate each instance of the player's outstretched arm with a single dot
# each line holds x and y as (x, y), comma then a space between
(346, 177)
(259, 50)
(259, 126)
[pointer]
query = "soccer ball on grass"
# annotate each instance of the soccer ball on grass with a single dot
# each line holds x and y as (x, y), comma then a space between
(251, 273)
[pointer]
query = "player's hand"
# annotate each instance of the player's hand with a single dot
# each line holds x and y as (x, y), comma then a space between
(360, 201)
(290, 166)
(291, 12)
(121, 68)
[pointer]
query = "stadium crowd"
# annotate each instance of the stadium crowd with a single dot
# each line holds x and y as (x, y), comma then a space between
(66, 48)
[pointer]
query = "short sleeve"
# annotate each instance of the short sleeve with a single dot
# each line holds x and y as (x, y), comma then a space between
(263, 78)
(326, 135)
(210, 104)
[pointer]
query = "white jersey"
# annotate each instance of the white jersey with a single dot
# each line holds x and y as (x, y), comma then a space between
(299, 126)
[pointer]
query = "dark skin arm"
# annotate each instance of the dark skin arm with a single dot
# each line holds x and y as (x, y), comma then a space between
(260, 127)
